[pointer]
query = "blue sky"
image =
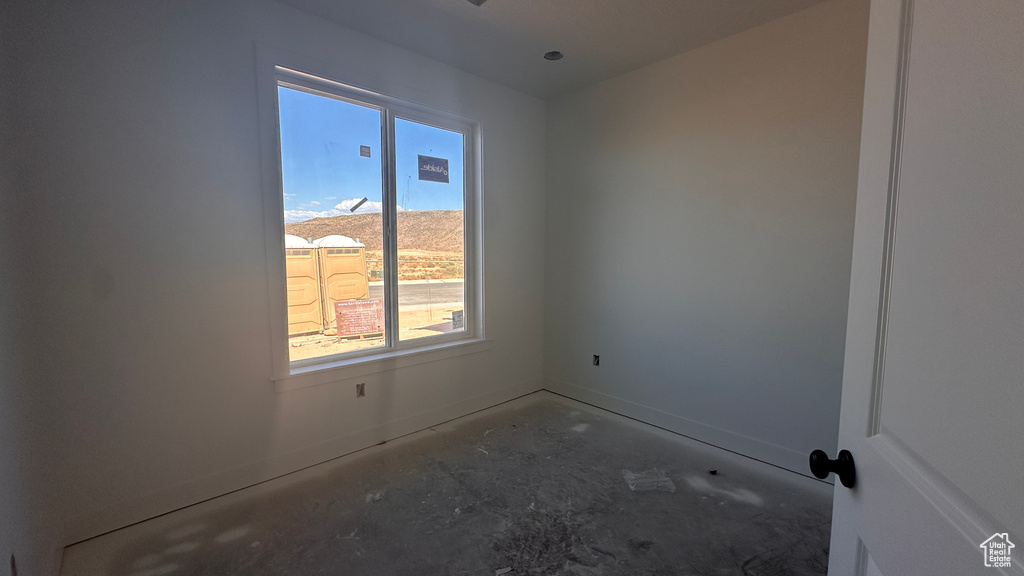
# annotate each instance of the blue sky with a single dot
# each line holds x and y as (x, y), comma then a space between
(324, 174)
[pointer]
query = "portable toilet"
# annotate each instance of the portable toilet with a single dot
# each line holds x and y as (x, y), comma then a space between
(305, 312)
(342, 273)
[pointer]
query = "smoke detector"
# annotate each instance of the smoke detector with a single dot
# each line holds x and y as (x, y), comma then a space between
(476, 2)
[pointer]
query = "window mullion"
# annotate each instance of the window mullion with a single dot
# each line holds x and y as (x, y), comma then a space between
(390, 216)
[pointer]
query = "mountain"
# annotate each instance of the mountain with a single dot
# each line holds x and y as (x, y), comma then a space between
(426, 230)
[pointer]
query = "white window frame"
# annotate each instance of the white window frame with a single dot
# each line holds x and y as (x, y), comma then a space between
(276, 70)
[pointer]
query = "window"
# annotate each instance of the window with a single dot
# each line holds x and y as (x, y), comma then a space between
(377, 200)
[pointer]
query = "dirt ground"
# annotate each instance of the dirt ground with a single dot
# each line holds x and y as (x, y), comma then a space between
(418, 322)
(418, 265)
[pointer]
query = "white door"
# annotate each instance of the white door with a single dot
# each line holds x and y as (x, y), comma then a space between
(933, 390)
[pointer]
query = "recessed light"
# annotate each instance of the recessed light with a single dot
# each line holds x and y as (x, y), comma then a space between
(553, 55)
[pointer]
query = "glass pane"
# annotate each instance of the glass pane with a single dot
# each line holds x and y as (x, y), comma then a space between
(431, 255)
(333, 190)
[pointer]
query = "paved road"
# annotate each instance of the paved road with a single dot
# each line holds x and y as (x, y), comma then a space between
(422, 292)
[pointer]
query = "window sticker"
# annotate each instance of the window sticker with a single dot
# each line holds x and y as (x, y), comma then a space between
(433, 169)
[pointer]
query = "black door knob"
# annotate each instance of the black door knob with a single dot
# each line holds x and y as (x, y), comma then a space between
(842, 466)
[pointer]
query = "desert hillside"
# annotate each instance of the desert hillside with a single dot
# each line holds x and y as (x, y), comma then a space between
(420, 230)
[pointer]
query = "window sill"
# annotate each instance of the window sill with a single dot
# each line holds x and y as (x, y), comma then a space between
(347, 369)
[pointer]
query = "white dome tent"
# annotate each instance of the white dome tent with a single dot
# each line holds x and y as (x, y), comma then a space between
(292, 241)
(337, 241)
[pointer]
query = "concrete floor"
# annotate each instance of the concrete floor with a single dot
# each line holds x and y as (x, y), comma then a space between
(534, 486)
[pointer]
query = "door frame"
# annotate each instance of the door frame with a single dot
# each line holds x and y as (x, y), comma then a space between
(893, 484)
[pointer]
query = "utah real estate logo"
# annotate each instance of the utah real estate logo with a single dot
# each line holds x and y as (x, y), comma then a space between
(997, 550)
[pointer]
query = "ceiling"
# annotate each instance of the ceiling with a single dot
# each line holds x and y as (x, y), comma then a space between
(505, 40)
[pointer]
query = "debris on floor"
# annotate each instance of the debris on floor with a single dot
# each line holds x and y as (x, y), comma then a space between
(638, 545)
(545, 542)
(744, 495)
(647, 480)
(550, 503)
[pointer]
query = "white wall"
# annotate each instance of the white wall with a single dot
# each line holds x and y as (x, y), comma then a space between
(13, 520)
(150, 310)
(26, 527)
(699, 229)
(10, 475)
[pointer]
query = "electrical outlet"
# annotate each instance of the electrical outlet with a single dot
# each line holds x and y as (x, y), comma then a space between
(360, 390)
(597, 360)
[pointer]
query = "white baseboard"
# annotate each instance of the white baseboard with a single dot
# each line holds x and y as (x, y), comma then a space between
(743, 445)
(85, 526)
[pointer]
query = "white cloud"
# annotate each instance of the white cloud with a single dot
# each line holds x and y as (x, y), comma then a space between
(340, 209)
(302, 215)
(314, 203)
(330, 197)
(368, 206)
